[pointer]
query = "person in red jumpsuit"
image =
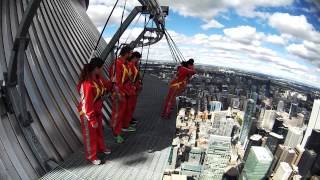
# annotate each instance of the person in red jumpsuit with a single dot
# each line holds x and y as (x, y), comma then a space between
(122, 88)
(177, 86)
(130, 122)
(92, 86)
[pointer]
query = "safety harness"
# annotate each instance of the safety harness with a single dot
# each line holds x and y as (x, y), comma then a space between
(99, 92)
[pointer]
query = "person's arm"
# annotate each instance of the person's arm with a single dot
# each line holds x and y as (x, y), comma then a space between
(119, 77)
(191, 67)
(88, 104)
(183, 71)
(107, 84)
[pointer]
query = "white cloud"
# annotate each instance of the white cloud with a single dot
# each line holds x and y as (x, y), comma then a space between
(99, 14)
(244, 34)
(210, 8)
(297, 26)
(275, 39)
(99, 11)
(212, 24)
(307, 50)
(239, 47)
(223, 51)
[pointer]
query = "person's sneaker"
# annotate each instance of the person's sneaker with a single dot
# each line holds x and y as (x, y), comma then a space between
(133, 125)
(134, 121)
(119, 139)
(107, 152)
(96, 162)
(129, 129)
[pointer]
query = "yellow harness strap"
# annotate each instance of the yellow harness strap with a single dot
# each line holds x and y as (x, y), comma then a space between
(100, 92)
(135, 74)
(179, 83)
(125, 71)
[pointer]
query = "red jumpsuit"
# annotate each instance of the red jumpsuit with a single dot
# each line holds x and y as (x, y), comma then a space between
(121, 90)
(90, 109)
(132, 99)
(177, 86)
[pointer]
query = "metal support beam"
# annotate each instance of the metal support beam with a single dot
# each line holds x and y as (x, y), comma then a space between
(20, 42)
(17, 61)
(152, 40)
(105, 53)
(14, 84)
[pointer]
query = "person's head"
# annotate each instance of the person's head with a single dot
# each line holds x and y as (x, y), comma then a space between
(190, 62)
(93, 68)
(184, 64)
(125, 52)
(135, 57)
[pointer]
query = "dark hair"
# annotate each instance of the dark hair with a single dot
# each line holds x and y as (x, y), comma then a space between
(187, 63)
(95, 62)
(125, 50)
(190, 61)
(136, 54)
(184, 64)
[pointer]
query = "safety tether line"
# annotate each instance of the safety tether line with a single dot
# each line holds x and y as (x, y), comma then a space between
(104, 27)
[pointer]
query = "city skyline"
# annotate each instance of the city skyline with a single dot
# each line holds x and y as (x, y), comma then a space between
(279, 38)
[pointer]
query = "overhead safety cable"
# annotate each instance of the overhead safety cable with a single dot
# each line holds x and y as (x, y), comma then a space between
(146, 63)
(175, 45)
(122, 16)
(135, 24)
(175, 58)
(104, 27)
(143, 37)
(175, 52)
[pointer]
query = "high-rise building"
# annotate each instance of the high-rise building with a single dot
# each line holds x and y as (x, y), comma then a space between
(280, 106)
(257, 164)
(268, 119)
(247, 120)
(273, 141)
(288, 155)
(306, 162)
(314, 122)
(314, 141)
(217, 157)
(278, 123)
(315, 170)
(260, 118)
(235, 103)
(221, 125)
(293, 110)
(294, 137)
(299, 152)
(267, 91)
(254, 140)
(224, 101)
(283, 172)
(242, 102)
(276, 158)
(215, 106)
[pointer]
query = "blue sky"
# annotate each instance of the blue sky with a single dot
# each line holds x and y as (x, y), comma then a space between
(276, 37)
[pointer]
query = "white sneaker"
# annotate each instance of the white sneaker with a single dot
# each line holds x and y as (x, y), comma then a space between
(96, 162)
(107, 152)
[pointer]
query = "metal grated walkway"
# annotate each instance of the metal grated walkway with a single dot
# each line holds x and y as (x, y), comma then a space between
(144, 154)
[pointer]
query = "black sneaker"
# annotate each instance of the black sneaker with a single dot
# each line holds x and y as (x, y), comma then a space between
(134, 121)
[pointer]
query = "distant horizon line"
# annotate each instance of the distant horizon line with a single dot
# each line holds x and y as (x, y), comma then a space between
(244, 70)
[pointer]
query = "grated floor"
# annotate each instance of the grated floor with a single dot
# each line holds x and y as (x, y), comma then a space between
(144, 154)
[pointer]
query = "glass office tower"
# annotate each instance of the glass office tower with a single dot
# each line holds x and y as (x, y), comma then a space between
(247, 120)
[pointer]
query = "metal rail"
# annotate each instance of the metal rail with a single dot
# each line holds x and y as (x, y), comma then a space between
(157, 14)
